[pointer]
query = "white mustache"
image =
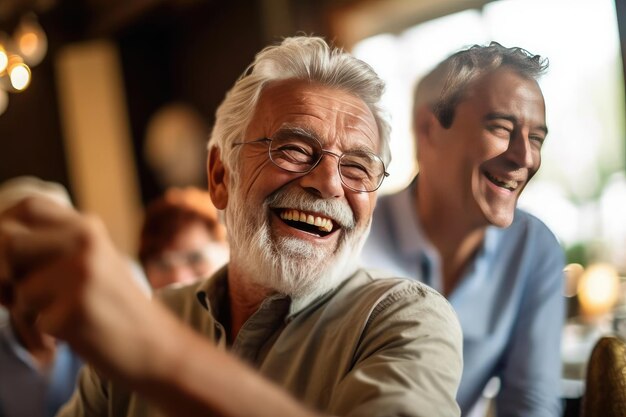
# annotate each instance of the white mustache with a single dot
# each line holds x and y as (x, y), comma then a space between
(297, 198)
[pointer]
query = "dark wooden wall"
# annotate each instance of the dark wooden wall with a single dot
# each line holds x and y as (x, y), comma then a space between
(192, 54)
(193, 58)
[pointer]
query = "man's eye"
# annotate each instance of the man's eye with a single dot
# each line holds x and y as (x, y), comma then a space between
(500, 131)
(354, 171)
(195, 258)
(294, 154)
(538, 139)
(294, 148)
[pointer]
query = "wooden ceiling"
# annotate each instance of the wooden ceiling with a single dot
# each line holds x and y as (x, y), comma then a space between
(90, 18)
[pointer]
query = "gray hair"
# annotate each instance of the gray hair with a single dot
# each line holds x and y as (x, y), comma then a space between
(303, 58)
(445, 86)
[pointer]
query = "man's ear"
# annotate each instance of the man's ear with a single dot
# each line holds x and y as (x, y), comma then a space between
(424, 123)
(218, 179)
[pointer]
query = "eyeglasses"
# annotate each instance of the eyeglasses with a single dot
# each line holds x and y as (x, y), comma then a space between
(196, 259)
(361, 171)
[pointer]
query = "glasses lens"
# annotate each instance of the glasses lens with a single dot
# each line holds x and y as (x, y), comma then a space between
(294, 154)
(361, 171)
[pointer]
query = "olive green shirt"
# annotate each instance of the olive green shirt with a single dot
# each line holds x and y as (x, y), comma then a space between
(371, 347)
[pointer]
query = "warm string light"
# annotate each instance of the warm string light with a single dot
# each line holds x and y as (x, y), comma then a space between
(598, 289)
(18, 72)
(31, 41)
(4, 62)
(26, 49)
(4, 59)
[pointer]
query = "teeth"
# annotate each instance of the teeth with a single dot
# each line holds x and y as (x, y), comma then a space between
(511, 185)
(322, 223)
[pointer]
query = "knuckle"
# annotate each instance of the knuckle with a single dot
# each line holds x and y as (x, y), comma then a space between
(8, 238)
(90, 227)
(92, 231)
(28, 206)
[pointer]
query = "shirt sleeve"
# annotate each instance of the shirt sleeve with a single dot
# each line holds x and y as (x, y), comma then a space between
(409, 361)
(531, 377)
(89, 398)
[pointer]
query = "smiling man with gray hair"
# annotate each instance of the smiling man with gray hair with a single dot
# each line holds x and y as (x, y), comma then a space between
(291, 326)
(479, 122)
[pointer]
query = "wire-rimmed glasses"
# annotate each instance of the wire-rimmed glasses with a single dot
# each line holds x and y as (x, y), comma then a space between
(360, 170)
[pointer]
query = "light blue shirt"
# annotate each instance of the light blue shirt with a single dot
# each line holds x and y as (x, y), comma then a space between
(24, 390)
(509, 302)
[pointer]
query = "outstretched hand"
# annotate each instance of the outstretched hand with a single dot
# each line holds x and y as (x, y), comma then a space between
(62, 267)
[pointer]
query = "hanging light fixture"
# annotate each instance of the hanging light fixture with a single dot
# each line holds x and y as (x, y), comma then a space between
(4, 60)
(4, 55)
(18, 73)
(31, 40)
(26, 48)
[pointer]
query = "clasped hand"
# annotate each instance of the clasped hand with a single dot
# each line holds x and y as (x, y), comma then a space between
(60, 267)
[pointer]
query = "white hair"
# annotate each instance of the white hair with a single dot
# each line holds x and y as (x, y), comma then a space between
(302, 58)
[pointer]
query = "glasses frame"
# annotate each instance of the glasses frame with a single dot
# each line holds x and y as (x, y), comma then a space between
(323, 151)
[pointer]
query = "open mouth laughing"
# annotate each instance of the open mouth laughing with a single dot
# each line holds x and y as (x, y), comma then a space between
(510, 185)
(307, 222)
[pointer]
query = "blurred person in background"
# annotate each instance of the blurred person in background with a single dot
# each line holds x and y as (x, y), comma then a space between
(479, 122)
(37, 371)
(181, 239)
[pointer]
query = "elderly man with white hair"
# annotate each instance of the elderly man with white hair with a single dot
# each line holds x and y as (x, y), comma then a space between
(291, 326)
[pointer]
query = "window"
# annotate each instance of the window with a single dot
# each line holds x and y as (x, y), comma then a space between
(580, 190)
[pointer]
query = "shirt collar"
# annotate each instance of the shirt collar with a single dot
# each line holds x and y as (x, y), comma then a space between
(406, 225)
(412, 241)
(213, 296)
(213, 292)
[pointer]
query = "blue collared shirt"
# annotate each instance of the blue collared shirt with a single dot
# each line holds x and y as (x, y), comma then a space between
(25, 391)
(509, 302)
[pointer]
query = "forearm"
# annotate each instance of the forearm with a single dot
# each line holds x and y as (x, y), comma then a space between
(185, 374)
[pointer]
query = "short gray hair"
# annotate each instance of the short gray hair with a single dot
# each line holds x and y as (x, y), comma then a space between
(302, 58)
(445, 86)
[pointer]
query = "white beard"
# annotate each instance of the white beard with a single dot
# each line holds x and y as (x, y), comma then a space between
(288, 265)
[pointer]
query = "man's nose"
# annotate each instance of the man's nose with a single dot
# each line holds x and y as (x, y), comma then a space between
(520, 150)
(324, 180)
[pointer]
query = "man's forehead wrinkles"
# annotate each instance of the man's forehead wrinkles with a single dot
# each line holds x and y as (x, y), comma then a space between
(297, 129)
(325, 133)
(335, 117)
(365, 124)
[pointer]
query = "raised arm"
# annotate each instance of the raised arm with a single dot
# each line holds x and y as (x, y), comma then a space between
(63, 264)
